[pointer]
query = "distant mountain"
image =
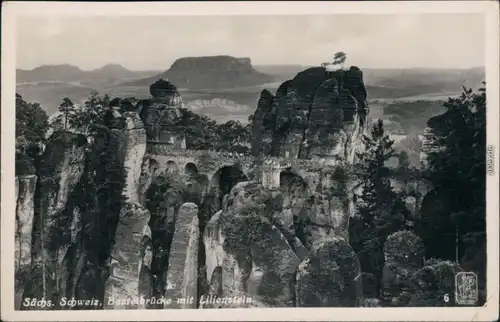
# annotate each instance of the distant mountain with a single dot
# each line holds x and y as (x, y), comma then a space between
(64, 73)
(391, 83)
(425, 80)
(70, 73)
(417, 80)
(114, 71)
(209, 72)
(214, 78)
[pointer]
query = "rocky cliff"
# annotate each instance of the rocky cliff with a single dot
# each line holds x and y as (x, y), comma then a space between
(317, 113)
(256, 259)
(83, 184)
(182, 274)
(160, 114)
(130, 254)
(131, 139)
(59, 171)
(25, 193)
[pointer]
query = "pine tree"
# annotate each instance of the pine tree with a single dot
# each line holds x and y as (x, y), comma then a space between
(93, 113)
(66, 107)
(457, 170)
(31, 126)
(339, 59)
(381, 210)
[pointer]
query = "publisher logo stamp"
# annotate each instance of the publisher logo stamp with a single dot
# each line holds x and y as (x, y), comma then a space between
(466, 288)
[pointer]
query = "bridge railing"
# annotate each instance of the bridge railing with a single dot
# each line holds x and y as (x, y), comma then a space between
(278, 161)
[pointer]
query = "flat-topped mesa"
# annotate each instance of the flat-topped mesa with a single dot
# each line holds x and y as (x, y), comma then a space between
(317, 113)
(161, 115)
(214, 72)
(213, 63)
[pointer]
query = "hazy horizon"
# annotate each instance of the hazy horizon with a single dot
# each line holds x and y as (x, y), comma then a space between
(163, 69)
(389, 41)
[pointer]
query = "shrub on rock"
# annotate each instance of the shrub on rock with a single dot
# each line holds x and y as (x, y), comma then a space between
(326, 277)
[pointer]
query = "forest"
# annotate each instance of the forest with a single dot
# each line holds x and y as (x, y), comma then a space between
(32, 124)
(451, 222)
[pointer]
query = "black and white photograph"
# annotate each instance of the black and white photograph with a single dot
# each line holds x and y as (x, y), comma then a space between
(260, 157)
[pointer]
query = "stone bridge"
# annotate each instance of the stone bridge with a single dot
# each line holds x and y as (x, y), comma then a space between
(267, 170)
(211, 163)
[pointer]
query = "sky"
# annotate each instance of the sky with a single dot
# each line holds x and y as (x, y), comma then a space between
(155, 42)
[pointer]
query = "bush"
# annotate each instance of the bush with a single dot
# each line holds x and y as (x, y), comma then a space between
(432, 282)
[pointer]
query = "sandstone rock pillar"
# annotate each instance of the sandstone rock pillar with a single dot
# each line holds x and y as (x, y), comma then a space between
(182, 272)
(131, 149)
(25, 190)
(127, 258)
(61, 167)
(256, 259)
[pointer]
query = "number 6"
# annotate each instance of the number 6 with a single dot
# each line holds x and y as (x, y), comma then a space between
(446, 298)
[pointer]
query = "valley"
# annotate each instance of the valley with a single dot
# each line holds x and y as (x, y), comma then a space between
(404, 99)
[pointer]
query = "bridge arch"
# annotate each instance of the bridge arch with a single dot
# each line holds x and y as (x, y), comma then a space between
(151, 162)
(152, 168)
(219, 186)
(424, 186)
(226, 177)
(154, 165)
(310, 178)
(289, 174)
(172, 166)
(190, 169)
(196, 183)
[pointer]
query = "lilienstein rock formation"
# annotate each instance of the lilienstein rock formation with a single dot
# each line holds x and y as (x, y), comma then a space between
(134, 214)
(209, 72)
